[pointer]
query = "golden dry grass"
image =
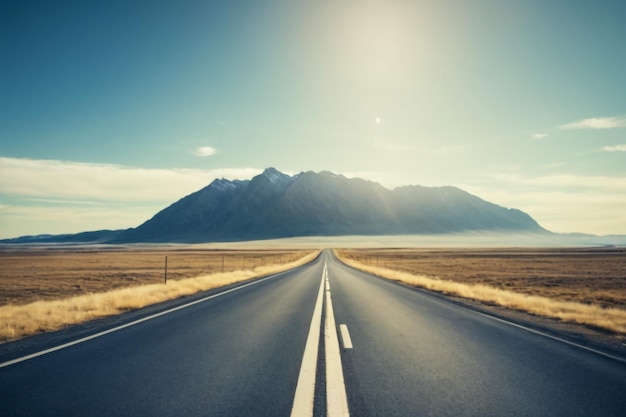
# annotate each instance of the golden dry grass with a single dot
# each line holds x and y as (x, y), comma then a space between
(19, 320)
(580, 286)
(28, 275)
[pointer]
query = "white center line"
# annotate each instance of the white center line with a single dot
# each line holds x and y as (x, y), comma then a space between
(336, 398)
(305, 389)
(345, 336)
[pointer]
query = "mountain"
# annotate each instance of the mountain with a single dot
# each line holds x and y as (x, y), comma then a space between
(276, 205)
(97, 236)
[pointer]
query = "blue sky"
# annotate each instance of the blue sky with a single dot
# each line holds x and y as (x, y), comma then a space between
(110, 111)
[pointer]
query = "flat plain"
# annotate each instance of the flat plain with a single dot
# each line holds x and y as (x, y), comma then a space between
(595, 276)
(39, 274)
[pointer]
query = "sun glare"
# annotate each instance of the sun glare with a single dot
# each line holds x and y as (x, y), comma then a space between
(373, 44)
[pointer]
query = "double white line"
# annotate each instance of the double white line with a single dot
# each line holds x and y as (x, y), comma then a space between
(336, 398)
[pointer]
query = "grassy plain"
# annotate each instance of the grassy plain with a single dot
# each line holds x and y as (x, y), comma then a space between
(48, 274)
(581, 285)
(47, 289)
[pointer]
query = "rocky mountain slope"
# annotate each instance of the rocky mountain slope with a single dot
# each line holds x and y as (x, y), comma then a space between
(274, 205)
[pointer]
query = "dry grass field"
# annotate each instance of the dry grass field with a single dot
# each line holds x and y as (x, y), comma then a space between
(28, 275)
(45, 290)
(558, 283)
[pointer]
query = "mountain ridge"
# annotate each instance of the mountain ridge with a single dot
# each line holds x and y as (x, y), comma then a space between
(276, 205)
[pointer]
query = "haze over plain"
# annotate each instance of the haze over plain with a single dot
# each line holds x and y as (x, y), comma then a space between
(109, 112)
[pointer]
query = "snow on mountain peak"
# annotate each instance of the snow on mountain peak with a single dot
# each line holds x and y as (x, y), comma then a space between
(275, 176)
(224, 184)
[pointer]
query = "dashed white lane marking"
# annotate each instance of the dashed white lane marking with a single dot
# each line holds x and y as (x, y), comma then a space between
(325, 277)
(345, 336)
(305, 389)
(336, 398)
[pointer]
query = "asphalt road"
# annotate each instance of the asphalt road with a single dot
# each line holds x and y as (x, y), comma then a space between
(242, 353)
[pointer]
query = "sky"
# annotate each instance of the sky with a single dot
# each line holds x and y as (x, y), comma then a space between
(111, 111)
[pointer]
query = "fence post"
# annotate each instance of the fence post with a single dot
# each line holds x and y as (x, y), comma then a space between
(165, 269)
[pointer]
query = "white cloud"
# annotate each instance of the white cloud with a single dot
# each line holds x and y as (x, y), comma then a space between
(566, 181)
(597, 123)
(560, 203)
(21, 220)
(615, 148)
(51, 196)
(539, 136)
(205, 151)
(68, 180)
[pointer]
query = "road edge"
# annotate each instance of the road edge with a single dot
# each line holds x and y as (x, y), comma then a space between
(577, 335)
(46, 341)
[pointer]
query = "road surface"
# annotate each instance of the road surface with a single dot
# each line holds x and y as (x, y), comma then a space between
(320, 340)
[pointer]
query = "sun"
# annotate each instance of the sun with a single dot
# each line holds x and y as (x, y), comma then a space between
(377, 120)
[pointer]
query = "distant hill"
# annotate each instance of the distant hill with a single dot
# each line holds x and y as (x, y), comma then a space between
(97, 236)
(276, 205)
